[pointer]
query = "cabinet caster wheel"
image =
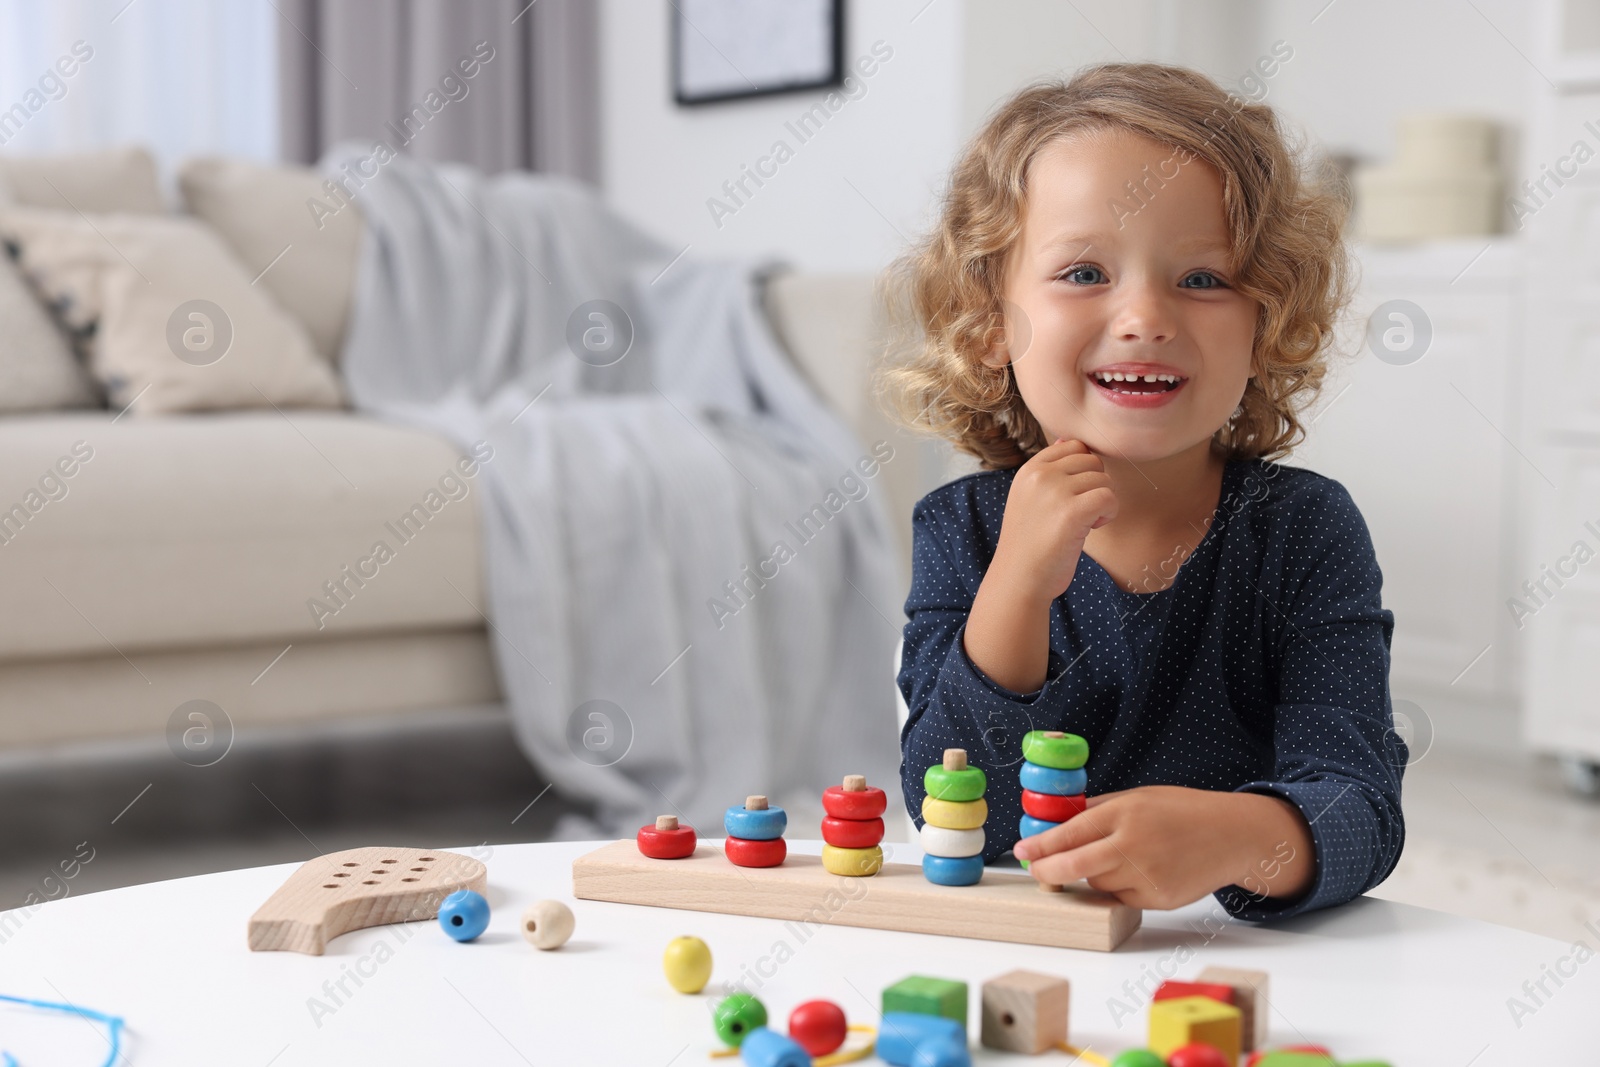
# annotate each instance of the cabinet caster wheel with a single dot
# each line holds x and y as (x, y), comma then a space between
(1582, 775)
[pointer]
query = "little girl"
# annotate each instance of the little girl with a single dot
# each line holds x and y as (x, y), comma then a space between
(1125, 305)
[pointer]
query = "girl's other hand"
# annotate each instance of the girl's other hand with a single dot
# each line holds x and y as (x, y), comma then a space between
(1164, 846)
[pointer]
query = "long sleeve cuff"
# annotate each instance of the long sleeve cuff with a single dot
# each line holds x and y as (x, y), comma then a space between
(1344, 836)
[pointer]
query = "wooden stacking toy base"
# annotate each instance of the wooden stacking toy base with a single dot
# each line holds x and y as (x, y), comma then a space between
(1003, 906)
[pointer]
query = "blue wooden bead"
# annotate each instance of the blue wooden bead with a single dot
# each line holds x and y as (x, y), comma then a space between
(941, 1052)
(763, 1047)
(1030, 826)
(953, 870)
(1043, 779)
(464, 914)
(901, 1033)
(765, 824)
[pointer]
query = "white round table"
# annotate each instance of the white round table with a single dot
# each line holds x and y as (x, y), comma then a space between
(1373, 979)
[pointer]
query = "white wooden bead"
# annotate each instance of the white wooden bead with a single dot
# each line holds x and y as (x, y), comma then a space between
(941, 841)
(547, 924)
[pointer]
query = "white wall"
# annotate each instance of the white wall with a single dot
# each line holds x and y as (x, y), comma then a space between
(1357, 65)
(893, 144)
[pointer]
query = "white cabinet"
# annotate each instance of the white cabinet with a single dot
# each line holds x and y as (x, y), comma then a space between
(1556, 593)
(1422, 446)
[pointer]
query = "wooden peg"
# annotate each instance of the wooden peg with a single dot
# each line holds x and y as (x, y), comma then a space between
(666, 822)
(955, 759)
(755, 802)
(1055, 733)
(855, 783)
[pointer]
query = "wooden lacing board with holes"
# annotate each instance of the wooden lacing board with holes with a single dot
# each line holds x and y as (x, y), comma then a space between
(356, 888)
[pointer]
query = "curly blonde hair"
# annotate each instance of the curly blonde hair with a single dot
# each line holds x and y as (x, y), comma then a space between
(1287, 250)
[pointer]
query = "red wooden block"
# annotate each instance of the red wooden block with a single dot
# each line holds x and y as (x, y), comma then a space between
(852, 833)
(1214, 990)
(743, 852)
(842, 803)
(666, 840)
(1052, 807)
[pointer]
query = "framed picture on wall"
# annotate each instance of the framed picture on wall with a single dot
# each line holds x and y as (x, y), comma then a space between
(733, 49)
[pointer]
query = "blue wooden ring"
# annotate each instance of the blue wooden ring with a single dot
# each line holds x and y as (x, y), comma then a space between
(1043, 779)
(1030, 826)
(953, 870)
(763, 825)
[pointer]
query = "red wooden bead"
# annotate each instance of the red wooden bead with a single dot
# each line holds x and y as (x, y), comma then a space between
(868, 803)
(1197, 1055)
(852, 833)
(818, 1026)
(1216, 991)
(743, 852)
(672, 844)
(1051, 807)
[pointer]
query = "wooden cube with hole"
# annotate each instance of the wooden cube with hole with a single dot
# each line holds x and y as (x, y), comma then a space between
(1194, 1020)
(1250, 995)
(1024, 1011)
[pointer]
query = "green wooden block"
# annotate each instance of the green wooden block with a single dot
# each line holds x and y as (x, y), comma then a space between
(1285, 1058)
(928, 996)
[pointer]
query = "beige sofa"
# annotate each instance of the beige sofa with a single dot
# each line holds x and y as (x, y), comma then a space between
(179, 561)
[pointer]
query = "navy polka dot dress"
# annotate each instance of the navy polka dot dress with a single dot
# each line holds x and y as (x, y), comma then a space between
(1263, 667)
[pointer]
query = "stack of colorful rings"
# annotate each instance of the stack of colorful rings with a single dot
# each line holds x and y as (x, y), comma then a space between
(1053, 780)
(953, 814)
(852, 827)
(755, 834)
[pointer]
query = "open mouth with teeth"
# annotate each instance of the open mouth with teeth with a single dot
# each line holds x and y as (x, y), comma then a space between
(1117, 382)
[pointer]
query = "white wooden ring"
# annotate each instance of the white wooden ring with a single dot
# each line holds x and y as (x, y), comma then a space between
(942, 841)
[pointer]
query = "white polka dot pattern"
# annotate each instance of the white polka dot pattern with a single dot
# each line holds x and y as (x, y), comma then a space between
(1264, 667)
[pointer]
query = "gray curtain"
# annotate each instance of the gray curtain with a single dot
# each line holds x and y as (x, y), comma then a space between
(370, 71)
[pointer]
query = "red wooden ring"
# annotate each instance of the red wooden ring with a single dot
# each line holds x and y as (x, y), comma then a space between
(868, 803)
(666, 844)
(1051, 807)
(852, 833)
(742, 852)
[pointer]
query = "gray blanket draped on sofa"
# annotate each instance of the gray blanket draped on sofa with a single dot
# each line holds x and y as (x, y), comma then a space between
(682, 547)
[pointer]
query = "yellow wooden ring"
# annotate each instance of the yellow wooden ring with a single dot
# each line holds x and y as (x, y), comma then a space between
(955, 814)
(852, 862)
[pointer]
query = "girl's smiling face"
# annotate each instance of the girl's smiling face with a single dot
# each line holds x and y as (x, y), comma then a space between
(1097, 286)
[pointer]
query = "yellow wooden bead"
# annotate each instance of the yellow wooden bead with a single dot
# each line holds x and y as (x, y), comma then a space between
(955, 814)
(852, 862)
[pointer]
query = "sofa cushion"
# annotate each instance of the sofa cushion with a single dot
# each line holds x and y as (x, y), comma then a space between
(264, 214)
(211, 530)
(112, 179)
(170, 317)
(38, 371)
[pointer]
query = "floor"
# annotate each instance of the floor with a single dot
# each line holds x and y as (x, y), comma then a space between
(1490, 835)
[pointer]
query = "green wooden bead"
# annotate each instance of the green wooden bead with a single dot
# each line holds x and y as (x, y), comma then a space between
(736, 1016)
(960, 786)
(1138, 1057)
(1065, 753)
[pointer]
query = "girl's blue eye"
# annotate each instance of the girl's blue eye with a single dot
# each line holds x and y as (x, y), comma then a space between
(1220, 284)
(1070, 271)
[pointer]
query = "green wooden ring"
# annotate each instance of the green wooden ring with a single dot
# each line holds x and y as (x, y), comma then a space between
(959, 786)
(1065, 753)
